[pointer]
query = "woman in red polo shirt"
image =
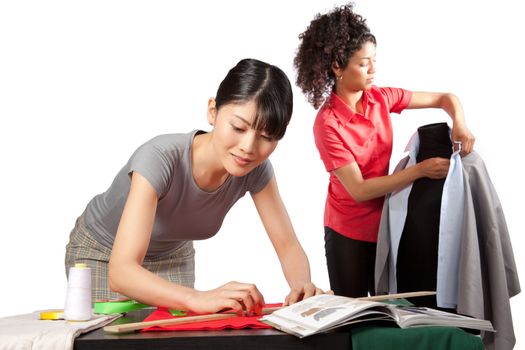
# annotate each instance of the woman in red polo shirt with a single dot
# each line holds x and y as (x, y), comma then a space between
(335, 66)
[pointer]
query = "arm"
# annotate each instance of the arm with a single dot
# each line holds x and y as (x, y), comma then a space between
(450, 104)
(435, 168)
(127, 276)
(364, 189)
(292, 257)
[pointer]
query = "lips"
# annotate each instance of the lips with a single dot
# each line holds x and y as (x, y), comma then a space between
(241, 161)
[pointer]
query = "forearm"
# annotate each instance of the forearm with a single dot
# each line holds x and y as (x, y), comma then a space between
(139, 284)
(451, 104)
(367, 189)
(295, 266)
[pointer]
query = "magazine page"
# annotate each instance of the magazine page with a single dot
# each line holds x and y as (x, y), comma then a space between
(413, 316)
(302, 331)
(324, 311)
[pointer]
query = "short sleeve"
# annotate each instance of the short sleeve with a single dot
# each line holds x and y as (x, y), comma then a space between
(396, 99)
(332, 149)
(151, 161)
(259, 177)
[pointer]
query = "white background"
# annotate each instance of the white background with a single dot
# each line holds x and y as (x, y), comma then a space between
(82, 84)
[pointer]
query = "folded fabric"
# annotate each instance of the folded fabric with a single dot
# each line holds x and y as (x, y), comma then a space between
(238, 322)
(27, 332)
(365, 337)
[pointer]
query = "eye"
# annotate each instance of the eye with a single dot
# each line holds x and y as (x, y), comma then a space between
(236, 129)
(266, 137)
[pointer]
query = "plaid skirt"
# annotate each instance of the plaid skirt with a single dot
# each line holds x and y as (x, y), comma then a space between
(177, 267)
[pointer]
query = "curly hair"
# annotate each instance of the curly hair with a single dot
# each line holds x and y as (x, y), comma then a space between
(330, 38)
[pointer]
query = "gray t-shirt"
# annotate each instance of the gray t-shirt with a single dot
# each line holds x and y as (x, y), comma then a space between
(184, 211)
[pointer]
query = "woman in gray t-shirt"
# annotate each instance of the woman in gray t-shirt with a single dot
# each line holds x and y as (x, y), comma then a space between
(137, 236)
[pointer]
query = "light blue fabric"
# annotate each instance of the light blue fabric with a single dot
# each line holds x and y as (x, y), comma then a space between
(450, 233)
(397, 208)
(451, 221)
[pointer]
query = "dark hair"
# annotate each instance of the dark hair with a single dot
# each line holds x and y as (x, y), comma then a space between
(268, 86)
(330, 38)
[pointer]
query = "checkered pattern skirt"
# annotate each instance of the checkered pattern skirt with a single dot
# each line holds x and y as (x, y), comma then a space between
(177, 267)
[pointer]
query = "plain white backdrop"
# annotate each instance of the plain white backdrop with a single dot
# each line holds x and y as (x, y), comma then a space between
(82, 84)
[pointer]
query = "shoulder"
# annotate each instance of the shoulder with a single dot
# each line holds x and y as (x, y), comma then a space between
(166, 145)
(264, 169)
(385, 93)
(259, 177)
(171, 141)
(326, 117)
(395, 99)
(159, 158)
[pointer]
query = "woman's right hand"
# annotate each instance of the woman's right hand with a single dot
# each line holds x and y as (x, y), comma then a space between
(234, 296)
(434, 168)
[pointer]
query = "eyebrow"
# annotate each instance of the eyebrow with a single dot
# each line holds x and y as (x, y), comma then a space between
(242, 119)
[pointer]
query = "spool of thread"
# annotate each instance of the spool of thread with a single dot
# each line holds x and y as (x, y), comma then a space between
(78, 297)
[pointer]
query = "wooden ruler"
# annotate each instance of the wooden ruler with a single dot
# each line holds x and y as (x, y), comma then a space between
(130, 327)
(397, 296)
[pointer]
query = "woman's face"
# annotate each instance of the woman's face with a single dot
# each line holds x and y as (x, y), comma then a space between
(359, 73)
(239, 147)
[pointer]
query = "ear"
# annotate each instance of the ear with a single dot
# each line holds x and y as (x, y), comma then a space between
(212, 111)
(336, 70)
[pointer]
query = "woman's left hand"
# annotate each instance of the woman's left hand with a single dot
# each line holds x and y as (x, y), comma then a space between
(305, 291)
(462, 134)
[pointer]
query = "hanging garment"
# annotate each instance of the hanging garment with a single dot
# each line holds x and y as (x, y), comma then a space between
(418, 243)
(476, 268)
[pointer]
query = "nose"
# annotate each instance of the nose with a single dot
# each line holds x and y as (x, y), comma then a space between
(372, 67)
(247, 142)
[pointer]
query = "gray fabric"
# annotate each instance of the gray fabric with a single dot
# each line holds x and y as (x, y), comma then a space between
(184, 211)
(488, 276)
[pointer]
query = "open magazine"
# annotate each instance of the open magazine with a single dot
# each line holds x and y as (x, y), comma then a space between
(324, 312)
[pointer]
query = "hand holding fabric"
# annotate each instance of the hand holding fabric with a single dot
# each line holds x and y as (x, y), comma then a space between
(233, 296)
(434, 168)
(460, 133)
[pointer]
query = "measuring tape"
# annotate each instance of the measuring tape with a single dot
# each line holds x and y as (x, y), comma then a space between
(51, 315)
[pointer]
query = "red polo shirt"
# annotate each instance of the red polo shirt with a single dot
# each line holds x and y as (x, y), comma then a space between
(342, 137)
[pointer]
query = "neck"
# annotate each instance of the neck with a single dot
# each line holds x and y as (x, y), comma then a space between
(207, 171)
(351, 98)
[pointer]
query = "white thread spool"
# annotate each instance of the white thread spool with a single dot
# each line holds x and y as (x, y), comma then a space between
(78, 297)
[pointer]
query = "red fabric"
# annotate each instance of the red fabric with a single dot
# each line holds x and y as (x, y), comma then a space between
(238, 322)
(343, 136)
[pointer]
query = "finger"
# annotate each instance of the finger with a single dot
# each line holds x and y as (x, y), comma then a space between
(470, 146)
(244, 299)
(232, 305)
(309, 290)
(249, 305)
(256, 295)
(456, 145)
(465, 150)
(294, 297)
